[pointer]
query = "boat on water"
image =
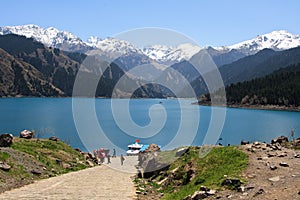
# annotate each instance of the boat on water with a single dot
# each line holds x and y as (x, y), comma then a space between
(136, 148)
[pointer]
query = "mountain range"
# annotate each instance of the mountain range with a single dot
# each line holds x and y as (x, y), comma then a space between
(64, 40)
(46, 61)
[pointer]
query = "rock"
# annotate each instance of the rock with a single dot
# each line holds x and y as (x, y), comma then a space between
(204, 188)
(152, 148)
(211, 192)
(53, 138)
(6, 140)
(278, 146)
(181, 151)
(260, 191)
(244, 142)
(199, 195)
(36, 172)
(249, 187)
(282, 155)
(235, 183)
(273, 167)
(299, 193)
(280, 140)
(271, 155)
(274, 179)
(90, 163)
(284, 164)
(26, 134)
(297, 155)
(4, 166)
(78, 150)
(241, 189)
(66, 166)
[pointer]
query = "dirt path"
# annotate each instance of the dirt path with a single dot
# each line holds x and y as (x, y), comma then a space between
(101, 182)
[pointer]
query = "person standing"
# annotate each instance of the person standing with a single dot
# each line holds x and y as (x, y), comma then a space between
(114, 153)
(108, 158)
(122, 159)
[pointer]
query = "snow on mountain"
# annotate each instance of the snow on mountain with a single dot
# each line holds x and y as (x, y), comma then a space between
(50, 36)
(276, 40)
(113, 46)
(168, 54)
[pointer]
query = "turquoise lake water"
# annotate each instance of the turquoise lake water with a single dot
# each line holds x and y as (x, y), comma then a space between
(171, 119)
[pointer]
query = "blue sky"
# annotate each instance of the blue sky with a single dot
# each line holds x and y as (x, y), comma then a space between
(208, 22)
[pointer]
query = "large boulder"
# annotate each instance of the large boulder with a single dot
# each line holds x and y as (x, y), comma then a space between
(26, 134)
(280, 140)
(6, 140)
(152, 148)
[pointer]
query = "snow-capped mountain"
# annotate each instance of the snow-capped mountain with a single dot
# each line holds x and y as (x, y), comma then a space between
(276, 40)
(113, 46)
(50, 37)
(170, 55)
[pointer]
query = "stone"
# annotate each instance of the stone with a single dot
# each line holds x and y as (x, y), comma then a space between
(26, 134)
(274, 179)
(297, 155)
(249, 187)
(4, 166)
(284, 164)
(282, 155)
(199, 195)
(66, 166)
(152, 148)
(211, 192)
(260, 191)
(6, 140)
(90, 163)
(36, 172)
(53, 138)
(241, 189)
(181, 151)
(235, 183)
(204, 188)
(273, 167)
(271, 155)
(280, 140)
(244, 142)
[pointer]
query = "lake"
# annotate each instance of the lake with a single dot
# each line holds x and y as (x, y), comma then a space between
(93, 123)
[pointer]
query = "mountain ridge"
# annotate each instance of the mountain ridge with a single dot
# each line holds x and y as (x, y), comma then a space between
(52, 37)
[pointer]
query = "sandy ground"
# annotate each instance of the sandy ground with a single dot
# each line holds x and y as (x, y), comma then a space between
(108, 181)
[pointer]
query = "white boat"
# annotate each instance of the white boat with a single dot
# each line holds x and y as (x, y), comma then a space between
(135, 148)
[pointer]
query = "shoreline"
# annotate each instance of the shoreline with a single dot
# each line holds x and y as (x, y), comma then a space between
(255, 107)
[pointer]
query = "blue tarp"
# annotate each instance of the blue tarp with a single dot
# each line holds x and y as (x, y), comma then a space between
(144, 147)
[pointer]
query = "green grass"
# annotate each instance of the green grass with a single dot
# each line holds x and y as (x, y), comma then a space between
(48, 151)
(4, 156)
(210, 169)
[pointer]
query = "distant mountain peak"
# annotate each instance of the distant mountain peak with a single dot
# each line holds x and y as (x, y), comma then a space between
(276, 40)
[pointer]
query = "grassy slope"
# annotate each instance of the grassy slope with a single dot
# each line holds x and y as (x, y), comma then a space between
(25, 156)
(210, 170)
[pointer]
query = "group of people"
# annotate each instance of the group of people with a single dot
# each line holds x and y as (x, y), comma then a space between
(101, 154)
